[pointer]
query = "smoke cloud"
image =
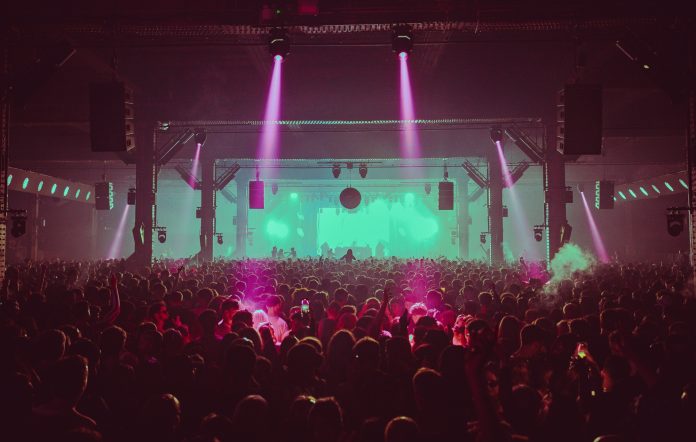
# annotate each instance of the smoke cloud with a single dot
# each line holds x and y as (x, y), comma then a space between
(569, 259)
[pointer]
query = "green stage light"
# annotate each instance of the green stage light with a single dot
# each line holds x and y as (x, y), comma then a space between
(294, 196)
(684, 185)
(9, 179)
(77, 193)
(67, 189)
(669, 186)
(622, 195)
(633, 194)
(645, 192)
(40, 186)
(25, 183)
(656, 189)
(88, 195)
(53, 188)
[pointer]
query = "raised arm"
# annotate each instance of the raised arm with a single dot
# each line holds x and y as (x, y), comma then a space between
(115, 310)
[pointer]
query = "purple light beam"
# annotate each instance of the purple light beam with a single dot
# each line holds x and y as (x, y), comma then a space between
(410, 143)
(596, 236)
(523, 229)
(116, 244)
(194, 166)
(269, 142)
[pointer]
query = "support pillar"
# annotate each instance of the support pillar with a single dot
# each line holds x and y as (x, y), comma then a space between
(33, 228)
(495, 208)
(242, 181)
(311, 219)
(207, 207)
(463, 217)
(555, 193)
(4, 148)
(145, 199)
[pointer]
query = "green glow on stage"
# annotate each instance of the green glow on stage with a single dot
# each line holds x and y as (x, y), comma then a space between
(294, 196)
(276, 229)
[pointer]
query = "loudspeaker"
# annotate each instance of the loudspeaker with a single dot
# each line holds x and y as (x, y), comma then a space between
(579, 120)
(445, 195)
(604, 194)
(111, 124)
(566, 231)
(256, 196)
(104, 196)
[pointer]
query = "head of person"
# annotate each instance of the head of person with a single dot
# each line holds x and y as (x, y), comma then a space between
(326, 420)
(228, 309)
(274, 306)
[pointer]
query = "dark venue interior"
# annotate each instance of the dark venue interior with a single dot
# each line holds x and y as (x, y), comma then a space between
(347, 221)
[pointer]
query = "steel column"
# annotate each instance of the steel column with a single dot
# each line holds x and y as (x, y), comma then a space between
(242, 181)
(495, 208)
(555, 193)
(463, 217)
(207, 207)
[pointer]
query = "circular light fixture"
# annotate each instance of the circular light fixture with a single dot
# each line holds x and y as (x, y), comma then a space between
(496, 135)
(278, 44)
(336, 170)
(402, 40)
(362, 170)
(350, 198)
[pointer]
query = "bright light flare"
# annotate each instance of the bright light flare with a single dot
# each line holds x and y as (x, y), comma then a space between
(117, 243)
(270, 133)
(596, 236)
(410, 143)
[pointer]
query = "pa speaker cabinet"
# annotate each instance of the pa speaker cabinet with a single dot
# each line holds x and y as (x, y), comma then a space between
(256, 194)
(445, 195)
(579, 120)
(111, 117)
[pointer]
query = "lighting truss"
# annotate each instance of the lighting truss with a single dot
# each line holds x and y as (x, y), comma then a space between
(185, 175)
(518, 171)
(525, 144)
(650, 188)
(223, 180)
(173, 146)
(475, 175)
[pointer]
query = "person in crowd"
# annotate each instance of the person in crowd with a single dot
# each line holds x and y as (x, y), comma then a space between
(380, 350)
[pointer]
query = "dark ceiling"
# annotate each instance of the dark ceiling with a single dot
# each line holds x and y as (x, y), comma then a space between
(212, 63)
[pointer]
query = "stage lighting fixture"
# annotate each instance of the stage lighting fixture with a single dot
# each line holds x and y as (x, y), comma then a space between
(336, 170)
(505, 212)
(482, 238)
(274, 188)
(200, 136)
(219, 238)
(278, 43)
(19, 225)
(131, 196)
(428, 188)
(362, 170)
(402, 40)
(162, 235)
(675, 223)
(496, 135)
(538, 233)
(198, 213)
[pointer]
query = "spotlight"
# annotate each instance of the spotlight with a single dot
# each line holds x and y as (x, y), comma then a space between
(505, 212)
(274, 188)
(538, 233)
(131, 196)
(162, 235)
(219, 238)
(362, 170)
(496, 135)
(336, 170)
(675, 223)
(200, 136)
(482, 238)
(402, 40)
(428, 188)
(19, 225)
(278, 44)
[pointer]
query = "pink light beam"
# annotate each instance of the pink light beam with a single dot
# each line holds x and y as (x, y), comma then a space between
(596, 236)
(116, 244)
(269, 142)
(194, 166)
(507, 178)
(410, 143)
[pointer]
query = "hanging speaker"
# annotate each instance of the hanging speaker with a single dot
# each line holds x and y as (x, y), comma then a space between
(604, 194)
(256, 196)
(111, 117)
(104, 196)
(579, 120)
(445, 195)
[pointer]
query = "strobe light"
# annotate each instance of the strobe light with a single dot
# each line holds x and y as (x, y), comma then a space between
(538, 233)
(336, 170)
(402, 40)
(675, 223)
(278, 44)
(362, 170)
(162, 235)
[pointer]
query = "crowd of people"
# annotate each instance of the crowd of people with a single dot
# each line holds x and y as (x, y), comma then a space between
(338, 351)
